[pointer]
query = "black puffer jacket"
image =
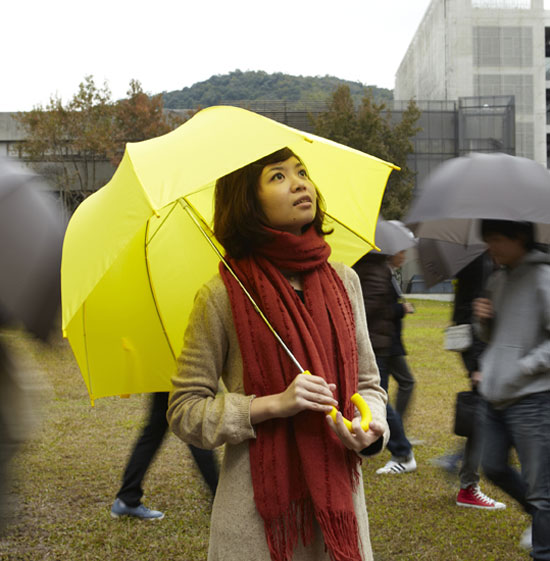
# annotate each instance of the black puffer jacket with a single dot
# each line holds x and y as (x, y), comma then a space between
(379, 296)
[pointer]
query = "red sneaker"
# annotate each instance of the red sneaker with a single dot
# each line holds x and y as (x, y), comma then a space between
(473, 497)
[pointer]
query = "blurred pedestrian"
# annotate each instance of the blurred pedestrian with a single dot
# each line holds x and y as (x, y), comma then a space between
(469, 284)
(14, 411)
(128, 499)
(514, 319)
(31, 230)
(381, 305)
(398, 366)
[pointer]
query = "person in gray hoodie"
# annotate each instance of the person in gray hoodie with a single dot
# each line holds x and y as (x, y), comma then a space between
(514, 319)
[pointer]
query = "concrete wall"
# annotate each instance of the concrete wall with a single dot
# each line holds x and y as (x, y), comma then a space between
(421, 74)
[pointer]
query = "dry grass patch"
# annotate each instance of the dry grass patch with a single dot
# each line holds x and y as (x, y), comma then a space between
(66, 476)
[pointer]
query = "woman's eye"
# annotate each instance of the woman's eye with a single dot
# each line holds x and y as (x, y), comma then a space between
(278, 176)
(303, 173)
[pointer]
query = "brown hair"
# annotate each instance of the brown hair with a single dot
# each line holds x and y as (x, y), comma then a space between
(239, 221)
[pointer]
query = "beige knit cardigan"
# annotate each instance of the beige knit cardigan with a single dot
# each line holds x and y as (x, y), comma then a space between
(201, 415)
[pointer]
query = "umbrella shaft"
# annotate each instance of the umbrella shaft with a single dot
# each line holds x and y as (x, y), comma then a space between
(191, 214)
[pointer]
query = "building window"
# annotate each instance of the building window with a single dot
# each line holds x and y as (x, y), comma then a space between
(503, 46)
(548, 107)
(518, 85)
(548, 150)
(525, 140)
(503, 4)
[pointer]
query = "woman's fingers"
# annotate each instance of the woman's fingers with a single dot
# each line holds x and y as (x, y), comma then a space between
(341, 430)
(315, 390)
(305, 392)
(357, 439)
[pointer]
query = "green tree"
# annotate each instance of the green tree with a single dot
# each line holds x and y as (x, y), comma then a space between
(77, 144)
(139, 117)
(259, 85)
(370, 128)
(65, 142)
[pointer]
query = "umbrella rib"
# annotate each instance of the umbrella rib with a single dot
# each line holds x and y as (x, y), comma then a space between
(147, 242)
(193, 215)
(86, 349)
(374, 246)
(153, 294)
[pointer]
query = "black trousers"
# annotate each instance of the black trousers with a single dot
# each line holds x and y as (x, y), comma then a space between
(146, 448)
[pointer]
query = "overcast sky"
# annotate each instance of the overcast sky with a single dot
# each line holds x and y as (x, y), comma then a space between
(48, 47)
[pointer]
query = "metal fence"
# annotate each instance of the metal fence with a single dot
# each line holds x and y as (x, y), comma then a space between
(448, 128)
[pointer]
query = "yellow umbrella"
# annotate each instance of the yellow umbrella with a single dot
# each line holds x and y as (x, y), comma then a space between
(133, 256)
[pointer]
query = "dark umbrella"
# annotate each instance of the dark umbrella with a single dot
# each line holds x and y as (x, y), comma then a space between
(392, 236)
(31, 231)
(441, 260)
(496, 186)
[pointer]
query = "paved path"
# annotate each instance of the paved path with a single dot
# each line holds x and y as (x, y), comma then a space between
(427, 296)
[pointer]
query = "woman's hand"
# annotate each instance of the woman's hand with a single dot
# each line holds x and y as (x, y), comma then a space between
(357, 439)
(306, 392)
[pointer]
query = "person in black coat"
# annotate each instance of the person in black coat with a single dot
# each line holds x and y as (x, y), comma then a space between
(379, 297)
(397, 362)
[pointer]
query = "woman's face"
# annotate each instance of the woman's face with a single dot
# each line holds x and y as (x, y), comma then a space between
(287, 196)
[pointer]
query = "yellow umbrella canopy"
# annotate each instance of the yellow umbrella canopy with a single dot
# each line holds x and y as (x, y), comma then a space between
(133, 256)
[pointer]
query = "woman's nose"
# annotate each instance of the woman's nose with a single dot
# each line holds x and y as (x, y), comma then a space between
(298, 183)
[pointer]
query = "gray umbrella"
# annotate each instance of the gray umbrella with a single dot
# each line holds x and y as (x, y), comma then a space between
(392, 236)
(495, 186)
(31, 231)
(441, 260)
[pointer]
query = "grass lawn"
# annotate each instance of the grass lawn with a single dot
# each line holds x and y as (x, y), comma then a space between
(65, 477)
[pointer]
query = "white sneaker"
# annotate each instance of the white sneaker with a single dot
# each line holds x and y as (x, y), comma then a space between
(526, 540)
(396, 467)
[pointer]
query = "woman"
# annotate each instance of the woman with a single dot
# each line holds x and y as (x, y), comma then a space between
(290, 481)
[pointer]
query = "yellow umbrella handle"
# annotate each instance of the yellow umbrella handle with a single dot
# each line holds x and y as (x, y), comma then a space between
(360, 403)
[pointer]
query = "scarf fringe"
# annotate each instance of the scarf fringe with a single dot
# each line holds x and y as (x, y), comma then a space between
(298, 466)
(282, 534)
(341, 534)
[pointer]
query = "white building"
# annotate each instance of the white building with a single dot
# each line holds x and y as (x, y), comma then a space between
(465, 48)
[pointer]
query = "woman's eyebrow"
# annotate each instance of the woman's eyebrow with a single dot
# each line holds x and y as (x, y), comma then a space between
(273, 168)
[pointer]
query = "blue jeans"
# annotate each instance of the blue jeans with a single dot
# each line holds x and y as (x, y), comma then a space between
(525, 425)
(398, 444)
(397, 366)
(469, 470)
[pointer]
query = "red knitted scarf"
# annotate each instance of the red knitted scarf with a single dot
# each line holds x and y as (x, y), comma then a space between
(300, 469)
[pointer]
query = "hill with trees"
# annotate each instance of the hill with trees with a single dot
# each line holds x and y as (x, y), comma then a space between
(259, 85)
